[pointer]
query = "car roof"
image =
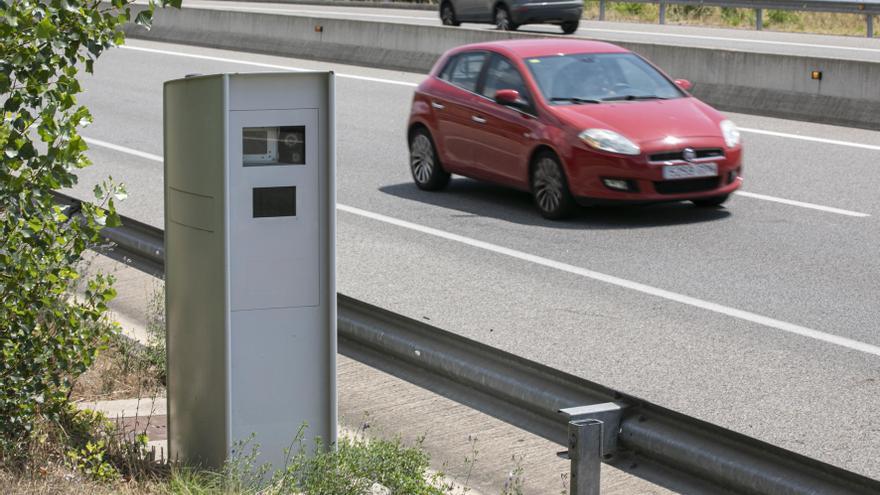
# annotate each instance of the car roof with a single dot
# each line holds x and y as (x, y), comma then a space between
(523, 48)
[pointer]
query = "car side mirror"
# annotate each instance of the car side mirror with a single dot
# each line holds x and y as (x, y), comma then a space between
(684, 84)
(510, 98)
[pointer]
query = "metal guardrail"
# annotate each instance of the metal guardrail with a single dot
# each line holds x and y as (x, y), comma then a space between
(595, 423)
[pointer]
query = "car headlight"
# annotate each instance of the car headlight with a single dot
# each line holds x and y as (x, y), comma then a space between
(730, 133)
(605, 140)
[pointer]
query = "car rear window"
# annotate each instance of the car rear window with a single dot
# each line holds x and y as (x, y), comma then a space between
(464, 70)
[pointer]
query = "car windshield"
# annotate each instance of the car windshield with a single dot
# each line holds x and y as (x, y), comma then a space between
(599, 77)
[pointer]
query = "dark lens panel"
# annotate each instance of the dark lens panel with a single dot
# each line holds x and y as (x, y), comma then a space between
(274, 202)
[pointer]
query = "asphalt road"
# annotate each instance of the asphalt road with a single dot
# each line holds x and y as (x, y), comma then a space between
(761, 317)
(840, 47)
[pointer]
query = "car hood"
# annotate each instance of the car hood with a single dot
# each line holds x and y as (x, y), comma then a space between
(645, 121)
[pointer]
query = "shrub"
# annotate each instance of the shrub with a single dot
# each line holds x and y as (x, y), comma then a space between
(629, 8)
(47, 335)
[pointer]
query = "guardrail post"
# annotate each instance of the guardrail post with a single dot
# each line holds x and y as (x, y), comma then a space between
(592, 437)
(662, 12)
(759, 19)
(870, 23)
(585, 450)
(601, 10)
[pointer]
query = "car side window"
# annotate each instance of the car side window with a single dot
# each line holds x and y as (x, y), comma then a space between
(466, 71)
(502, 74)
(447, 69)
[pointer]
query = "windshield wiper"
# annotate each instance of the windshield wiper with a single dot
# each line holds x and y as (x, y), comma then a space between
(573, 99)
(634, 97)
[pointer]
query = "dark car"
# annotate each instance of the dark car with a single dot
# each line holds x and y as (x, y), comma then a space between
(508, 15)
(571, 121)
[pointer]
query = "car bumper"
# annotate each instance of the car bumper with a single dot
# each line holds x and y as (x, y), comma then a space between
(547, 12)
(588, 169)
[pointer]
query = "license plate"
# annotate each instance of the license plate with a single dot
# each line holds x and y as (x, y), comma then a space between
(690, 171)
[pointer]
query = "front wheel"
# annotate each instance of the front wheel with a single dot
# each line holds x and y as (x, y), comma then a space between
(570, 27)
(711, 201)
(447, 15)
(550, 189)
(424, 164)
(502, 19)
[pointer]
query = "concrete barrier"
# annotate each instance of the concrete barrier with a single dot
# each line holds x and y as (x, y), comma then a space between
(742, 81)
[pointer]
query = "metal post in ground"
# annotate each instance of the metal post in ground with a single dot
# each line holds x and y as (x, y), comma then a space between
(662, 12)
(870, 22)
(601, 10)
(592, 437)
(759, 19)
(585, 450)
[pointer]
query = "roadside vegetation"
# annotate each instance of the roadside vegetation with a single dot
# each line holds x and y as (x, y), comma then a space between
(702, 15)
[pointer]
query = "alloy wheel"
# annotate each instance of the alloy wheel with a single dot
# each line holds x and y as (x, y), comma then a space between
(447, 15)
(548, 184)
(502, 19)
(422, 158)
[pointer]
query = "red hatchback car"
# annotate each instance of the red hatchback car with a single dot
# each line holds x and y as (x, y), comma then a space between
(573, 122)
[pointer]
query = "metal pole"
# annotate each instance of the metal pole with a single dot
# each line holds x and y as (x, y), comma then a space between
(662, 12)
(759, 19)
(585, 449)
(870, 21)
(601, 10)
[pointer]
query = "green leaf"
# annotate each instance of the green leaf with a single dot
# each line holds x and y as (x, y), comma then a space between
(45, 29)
(144, 18)
(113, 219)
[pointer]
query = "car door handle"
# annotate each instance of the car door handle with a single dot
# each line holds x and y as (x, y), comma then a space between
(478, 119)
(438, 106)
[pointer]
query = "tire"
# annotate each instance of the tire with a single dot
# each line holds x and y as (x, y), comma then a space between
(447, 15)
(710, 202)
(570, 27)
(424, 165)
(502, 19)
(550, 188)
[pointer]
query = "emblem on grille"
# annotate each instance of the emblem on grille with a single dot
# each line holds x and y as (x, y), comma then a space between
(689, 154)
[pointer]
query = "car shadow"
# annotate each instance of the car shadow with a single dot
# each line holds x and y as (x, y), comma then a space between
(480, 199)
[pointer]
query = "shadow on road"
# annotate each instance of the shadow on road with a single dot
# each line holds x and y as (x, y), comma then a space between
(480, 199)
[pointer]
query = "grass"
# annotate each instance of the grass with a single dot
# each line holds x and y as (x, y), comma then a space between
(124, 370)
(357, 466)
(775, 20)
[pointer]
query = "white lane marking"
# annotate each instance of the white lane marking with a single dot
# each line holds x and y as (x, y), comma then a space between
(610, 279)
(851, 144)
(801, 204)
(624, 283)
(264, 65)
(123, 149)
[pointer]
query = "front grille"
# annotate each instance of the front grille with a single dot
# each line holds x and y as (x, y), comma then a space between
(686, 186)
(676, 155)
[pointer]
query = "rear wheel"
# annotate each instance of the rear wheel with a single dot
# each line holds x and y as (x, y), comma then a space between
(502, 19)
(426, 170)
(570, 27)
(711, 201)
(447, 15)
(550, 189)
